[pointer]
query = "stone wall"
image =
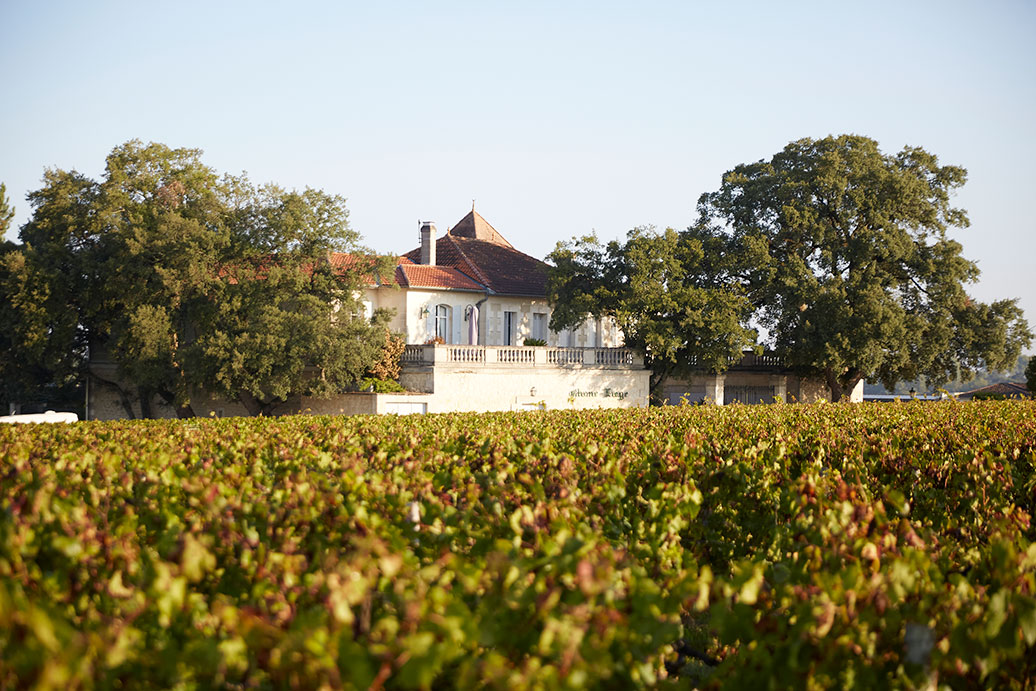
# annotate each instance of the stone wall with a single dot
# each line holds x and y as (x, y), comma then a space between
(105, 404)
(750, 387)
(484, 378)
(501, 390)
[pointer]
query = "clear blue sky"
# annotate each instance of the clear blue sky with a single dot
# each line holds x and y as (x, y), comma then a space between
(558, 118)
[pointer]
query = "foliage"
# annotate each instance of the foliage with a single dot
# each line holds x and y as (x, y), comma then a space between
(661, 289)
(388, 366)
(846, 256)
(381, 385)
(535, 342)
(1030, 375)
(823, 546)
(6, 212)
(40, 342)
(185, 281)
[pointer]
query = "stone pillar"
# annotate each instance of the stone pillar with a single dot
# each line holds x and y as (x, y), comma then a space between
(714, 387)
(779, 382)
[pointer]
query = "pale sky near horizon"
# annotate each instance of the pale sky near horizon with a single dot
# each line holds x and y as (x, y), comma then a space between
(559, 119)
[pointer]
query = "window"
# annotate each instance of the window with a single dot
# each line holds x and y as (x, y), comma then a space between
(442, 323)
(748, 394)
(539, 326)
(510, 321)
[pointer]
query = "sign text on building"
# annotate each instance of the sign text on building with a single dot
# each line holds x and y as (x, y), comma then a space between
(607, 393)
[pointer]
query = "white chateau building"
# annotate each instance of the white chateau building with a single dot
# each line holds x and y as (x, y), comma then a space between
(468, 303)
(472, 287)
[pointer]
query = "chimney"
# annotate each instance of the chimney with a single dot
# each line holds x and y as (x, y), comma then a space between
(427, 243)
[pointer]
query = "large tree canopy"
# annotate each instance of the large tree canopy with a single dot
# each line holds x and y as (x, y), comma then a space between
(845, 254)
(662, 291)
(190, 281)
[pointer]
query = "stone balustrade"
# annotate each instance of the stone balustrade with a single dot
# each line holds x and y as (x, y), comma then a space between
(440, 355)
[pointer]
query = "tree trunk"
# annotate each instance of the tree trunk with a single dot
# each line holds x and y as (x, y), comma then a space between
(127, 404)
(842, 385)
(183, 412)
(124, 400)
(659, 373)
(145, 403)
(849, 380)
(833, 384)
(252, 404)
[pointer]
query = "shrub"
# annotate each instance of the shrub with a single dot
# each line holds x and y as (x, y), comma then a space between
(381, 385)
(387, 367)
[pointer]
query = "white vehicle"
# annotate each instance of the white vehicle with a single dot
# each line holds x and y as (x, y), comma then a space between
(49, 416)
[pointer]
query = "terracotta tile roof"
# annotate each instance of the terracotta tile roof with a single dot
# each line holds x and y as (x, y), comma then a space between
(475, 227)
(346, 262)
(476, 249)
(1009, 389)
(504, 270)
(472, 256)
(343, 261)
(258, 268)
(422, 276)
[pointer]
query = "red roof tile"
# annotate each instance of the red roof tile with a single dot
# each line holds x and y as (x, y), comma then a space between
(475, 227)
(422, 276)
(1007, 389)
(472, 256)
(348, 262)
(476, 249)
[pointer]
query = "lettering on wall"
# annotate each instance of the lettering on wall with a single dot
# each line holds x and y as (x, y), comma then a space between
(606, 393)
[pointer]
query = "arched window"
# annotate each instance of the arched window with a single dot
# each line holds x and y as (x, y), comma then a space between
(443, 322)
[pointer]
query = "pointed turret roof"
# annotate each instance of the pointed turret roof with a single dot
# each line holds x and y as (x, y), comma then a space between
(474, 248)
(477, 228)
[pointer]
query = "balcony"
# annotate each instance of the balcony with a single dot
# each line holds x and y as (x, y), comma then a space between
(750, 361)
(546, 357)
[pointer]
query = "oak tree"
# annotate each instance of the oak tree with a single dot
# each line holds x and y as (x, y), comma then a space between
(846, 255)
(182, 277)
(662, 290)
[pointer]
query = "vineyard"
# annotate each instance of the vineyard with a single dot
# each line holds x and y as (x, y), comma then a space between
(728, 547)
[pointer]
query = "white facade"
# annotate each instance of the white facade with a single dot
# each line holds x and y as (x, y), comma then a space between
(501, 378)
(423, 314)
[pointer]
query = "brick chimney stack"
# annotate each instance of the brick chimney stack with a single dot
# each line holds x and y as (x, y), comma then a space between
(427, 242)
